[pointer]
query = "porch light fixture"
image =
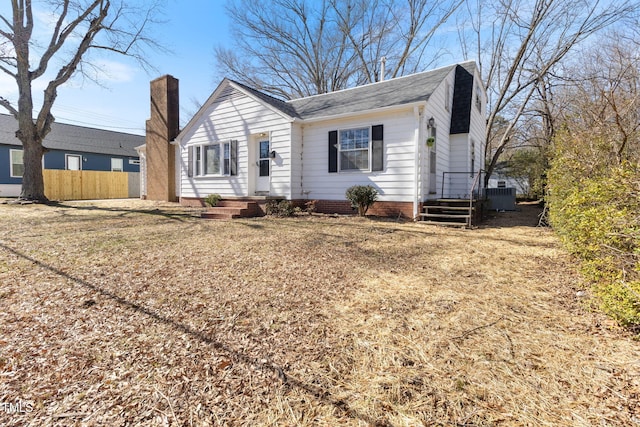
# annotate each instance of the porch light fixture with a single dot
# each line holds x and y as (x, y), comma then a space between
(272, 154)
(431, 133)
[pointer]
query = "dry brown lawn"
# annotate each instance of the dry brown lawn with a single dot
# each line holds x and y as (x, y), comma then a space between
(139, 313)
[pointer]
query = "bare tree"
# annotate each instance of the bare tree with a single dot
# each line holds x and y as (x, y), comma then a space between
(294, 48)
(79, 26)
(602, 98)
(518, 42)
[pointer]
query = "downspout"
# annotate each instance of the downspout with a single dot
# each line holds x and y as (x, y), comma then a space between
(416, 165)
(271, 161)
(301, 161)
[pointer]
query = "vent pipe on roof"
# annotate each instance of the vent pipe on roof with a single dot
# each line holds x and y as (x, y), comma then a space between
(383, 60)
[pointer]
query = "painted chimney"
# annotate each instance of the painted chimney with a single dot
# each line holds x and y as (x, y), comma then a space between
(162, 128)
(383, 61)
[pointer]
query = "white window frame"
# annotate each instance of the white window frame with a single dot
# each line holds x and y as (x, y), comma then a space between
(116, 169)
(66, 161)
(341, 150)
(12, 173)
(224, 159)
(478, 98)
(473, 157)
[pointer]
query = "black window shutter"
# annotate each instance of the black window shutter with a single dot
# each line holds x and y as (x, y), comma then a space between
(377, 146)
(190, 161)
(233, 149)
(333, 151)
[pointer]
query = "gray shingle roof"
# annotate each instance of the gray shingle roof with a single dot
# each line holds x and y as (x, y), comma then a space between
(462, 97)
(388, 93)
(279, 104)
(77, 138)
(399, 91)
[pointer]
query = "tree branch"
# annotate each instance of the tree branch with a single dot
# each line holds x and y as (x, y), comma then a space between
(59, 37)
(9, 107)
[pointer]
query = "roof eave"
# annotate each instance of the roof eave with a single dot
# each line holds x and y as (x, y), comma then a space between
(390, 108)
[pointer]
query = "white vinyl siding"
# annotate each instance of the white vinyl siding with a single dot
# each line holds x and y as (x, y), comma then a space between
(297, 165)
(394, 183)
(442, 119)
(236, 116)
(458, 182)
(477, 128)
(281, 165)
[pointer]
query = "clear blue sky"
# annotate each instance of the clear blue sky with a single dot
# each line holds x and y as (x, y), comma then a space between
(192, 30)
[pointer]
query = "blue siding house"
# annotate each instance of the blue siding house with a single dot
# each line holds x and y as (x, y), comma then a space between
(67, 147)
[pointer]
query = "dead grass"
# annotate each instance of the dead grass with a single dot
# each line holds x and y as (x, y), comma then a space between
(139, 313)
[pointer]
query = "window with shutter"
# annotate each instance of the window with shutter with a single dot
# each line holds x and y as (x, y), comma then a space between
(377, 148)
(234, 157)
(358, 149)
(220, 158)
(333, 151)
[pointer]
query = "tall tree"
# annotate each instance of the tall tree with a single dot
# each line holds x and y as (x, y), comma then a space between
(519, 42)
(601, 97)
(294, 48)
(79, 27)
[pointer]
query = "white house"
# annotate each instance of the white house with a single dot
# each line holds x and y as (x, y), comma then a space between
(413, 138)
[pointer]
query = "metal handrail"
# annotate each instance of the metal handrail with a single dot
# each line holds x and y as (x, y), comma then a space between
(471, 174)
(475, 185)
(476, 180)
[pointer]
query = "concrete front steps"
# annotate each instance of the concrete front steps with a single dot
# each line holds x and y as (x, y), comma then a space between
(230, 209)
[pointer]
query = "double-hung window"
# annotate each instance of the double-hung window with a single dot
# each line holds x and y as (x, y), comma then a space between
(17, 164)
(213, 159)
(357, 149)
(354, 149)
(478, 98)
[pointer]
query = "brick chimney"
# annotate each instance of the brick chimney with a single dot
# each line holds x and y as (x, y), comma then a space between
(162, 128)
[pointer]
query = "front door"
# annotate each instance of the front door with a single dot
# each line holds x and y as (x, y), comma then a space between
(264, 165)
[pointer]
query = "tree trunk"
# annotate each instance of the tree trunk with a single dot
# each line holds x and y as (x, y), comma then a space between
(32, 180)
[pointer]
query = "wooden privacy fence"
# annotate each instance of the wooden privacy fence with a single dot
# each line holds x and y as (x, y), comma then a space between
(89, 185)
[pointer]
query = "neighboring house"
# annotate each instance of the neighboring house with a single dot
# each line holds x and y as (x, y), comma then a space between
(67, 147)
(413, 138)
(501, 179)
